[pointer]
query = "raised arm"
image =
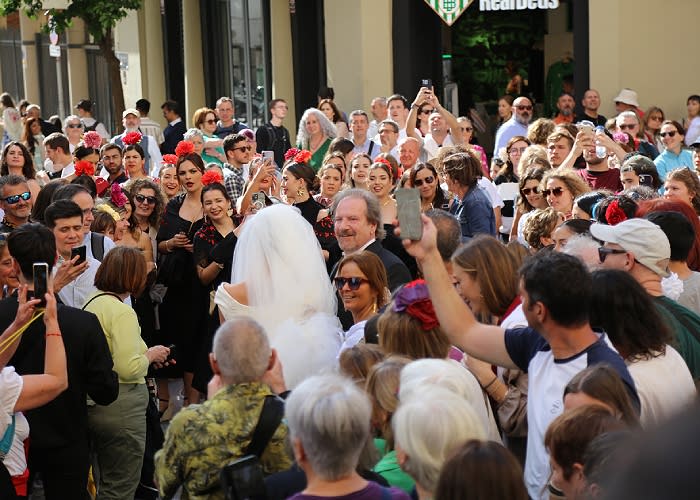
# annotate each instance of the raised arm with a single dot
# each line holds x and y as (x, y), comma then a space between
(421, 97)
(476, 339)
(450, 119)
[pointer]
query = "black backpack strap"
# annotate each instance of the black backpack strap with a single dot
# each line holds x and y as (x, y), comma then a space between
(97, 242)
(370, 148)
(101, 295)
(270, 418)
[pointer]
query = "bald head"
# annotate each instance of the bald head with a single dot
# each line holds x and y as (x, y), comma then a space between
(241, 350)
(523, 110)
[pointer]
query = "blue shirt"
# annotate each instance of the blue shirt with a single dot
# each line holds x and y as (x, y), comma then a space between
(475, 214)
(668, 161)
(507, 131)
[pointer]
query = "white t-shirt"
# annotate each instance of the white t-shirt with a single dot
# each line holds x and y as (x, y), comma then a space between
(431, 146)
(10, 388)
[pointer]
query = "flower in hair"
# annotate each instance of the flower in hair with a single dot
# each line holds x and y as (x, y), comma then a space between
(132, 138)
(92, 140)
(84, 167)
(211, 177)
(614, 214)
(302, 156)
(414, 299)
(117, 196)
(169, 159)
(383, 160)
(184, 148)
(291, 153)
(620, 137)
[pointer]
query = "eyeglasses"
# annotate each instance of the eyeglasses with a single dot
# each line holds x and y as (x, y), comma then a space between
(428, 180)
(555, 192)
(603, 252)
(527, 191)
(210, 122)
(427, 111)
(523, 108)
(627, 126)
(672, 133)
(353, 283)
(243, 148)
(75, 125)
(517, 150)
(467, 129)
(151, 200)
(11, 200)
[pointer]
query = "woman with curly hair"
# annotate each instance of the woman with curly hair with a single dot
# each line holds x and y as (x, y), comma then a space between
(330, 109)
(315, 133)
(539, 130)
(560, 188)
(683, 185)
(540, 226)
(529, 200)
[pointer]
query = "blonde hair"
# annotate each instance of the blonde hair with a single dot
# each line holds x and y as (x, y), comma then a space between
(541, 224)
(383, 390)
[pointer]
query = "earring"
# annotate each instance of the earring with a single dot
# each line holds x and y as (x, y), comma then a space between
(300, 192)
(374, 308)
(206, 220)
(229, 212)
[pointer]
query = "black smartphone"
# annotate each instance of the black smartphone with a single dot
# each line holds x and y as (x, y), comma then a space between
(427, 83)
(81, 252)
(173, 352)
(243, 479)
(408, 204)
(41, 281)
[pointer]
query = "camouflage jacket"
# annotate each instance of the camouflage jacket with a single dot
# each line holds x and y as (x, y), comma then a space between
(201, 439)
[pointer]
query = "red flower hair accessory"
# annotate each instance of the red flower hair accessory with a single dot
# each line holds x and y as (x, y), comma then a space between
(291, 153)
(614, 214)
(212, 176)
(169, 159)
(414, 299)
(383, 160)
(184, 148)
(302, 156)
(620, 137)
(117, 196)
(84, 167)
(132, 138)
(92, 140)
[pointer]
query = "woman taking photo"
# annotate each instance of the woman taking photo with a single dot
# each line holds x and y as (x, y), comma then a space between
(17, 160)
(330, 181)
(425, 178)
(333, 114)
(529, 200)
(363, 287)
(33, 139)
(424, 111)
(183, 303)
(118, 431)
(560, 188)
(205, 120)
(462, 172)
(315, 135)
(214, 244)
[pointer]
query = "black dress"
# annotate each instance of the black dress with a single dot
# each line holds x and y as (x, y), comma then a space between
(204, 241)
(183, 304)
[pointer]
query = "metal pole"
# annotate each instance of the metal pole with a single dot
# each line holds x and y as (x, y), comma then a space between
(59, 86)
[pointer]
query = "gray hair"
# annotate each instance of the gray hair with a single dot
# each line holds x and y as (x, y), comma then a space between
(191, 133)
(449, 232)
(374, 211)
(327, 126)
(626, 114)
(330, 417)
(12, 180)
(391, 122)
(585, 248)
(381, 100)
(242, 350)
(359, 112)
(429, 428)
(71, 118)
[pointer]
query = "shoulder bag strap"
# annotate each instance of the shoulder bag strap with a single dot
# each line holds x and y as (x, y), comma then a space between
(101, 295)
(270, 418)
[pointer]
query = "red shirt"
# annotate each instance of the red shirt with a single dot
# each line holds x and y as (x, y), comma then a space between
(609, 179)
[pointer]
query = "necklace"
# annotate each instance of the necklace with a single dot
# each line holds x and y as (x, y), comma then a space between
(387, 202)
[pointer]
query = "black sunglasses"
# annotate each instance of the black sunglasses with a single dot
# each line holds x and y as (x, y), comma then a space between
(534, 190)
(11, 200)
(603, 252)
(151, 200)
(556, 192)
(243, 148)
(428, 180)
(353, 283)
(672, 133)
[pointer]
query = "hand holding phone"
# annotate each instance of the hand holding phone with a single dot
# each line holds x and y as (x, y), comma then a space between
(41, 285)
(409, 205)
(81, 252)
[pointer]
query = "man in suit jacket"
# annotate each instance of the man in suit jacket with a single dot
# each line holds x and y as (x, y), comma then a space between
(58, 430)
(358, 227)
(176, 128)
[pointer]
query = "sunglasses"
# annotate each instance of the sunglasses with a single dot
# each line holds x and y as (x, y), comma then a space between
(427, 111)
(556, 192)
(244, 148)
(74, 125)
(467, 129)
(11, 200)
(524, 108)
(428, 180)
(627, 126)
(353, 283)
(151, 200)
(210, 122)
(527, 191)
(603, 252)
(672, 133)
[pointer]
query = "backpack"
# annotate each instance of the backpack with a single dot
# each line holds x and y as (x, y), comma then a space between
(97, 242)
(92, 128)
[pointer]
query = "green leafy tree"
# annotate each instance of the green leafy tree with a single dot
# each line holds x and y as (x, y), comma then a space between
(100, 18)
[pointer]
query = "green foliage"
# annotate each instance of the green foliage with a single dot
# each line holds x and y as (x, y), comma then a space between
(99, 16)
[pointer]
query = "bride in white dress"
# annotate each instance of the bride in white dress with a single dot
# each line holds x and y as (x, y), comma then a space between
(280, 280)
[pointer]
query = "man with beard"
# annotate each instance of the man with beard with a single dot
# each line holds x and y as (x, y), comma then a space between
(565, 105)
(597, 174)
(15, 200)
(517, 125)
(111, 156)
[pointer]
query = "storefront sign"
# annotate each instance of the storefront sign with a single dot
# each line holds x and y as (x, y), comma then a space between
(449, 10)
(517, 4)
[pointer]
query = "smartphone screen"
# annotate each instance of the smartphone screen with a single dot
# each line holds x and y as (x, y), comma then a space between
(426, 82)
(41, 276)
(268, 155)
(81, 251)
(408, 204)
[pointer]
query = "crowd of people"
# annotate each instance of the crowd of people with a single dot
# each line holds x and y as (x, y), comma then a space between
(544, 326)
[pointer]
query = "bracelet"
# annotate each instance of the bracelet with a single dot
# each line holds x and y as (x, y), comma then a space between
(415, 106)
(490, 383)
(54, 335)
(167, 247)
(220, 266)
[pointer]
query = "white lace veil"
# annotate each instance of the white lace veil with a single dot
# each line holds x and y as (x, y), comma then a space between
(279, 259)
